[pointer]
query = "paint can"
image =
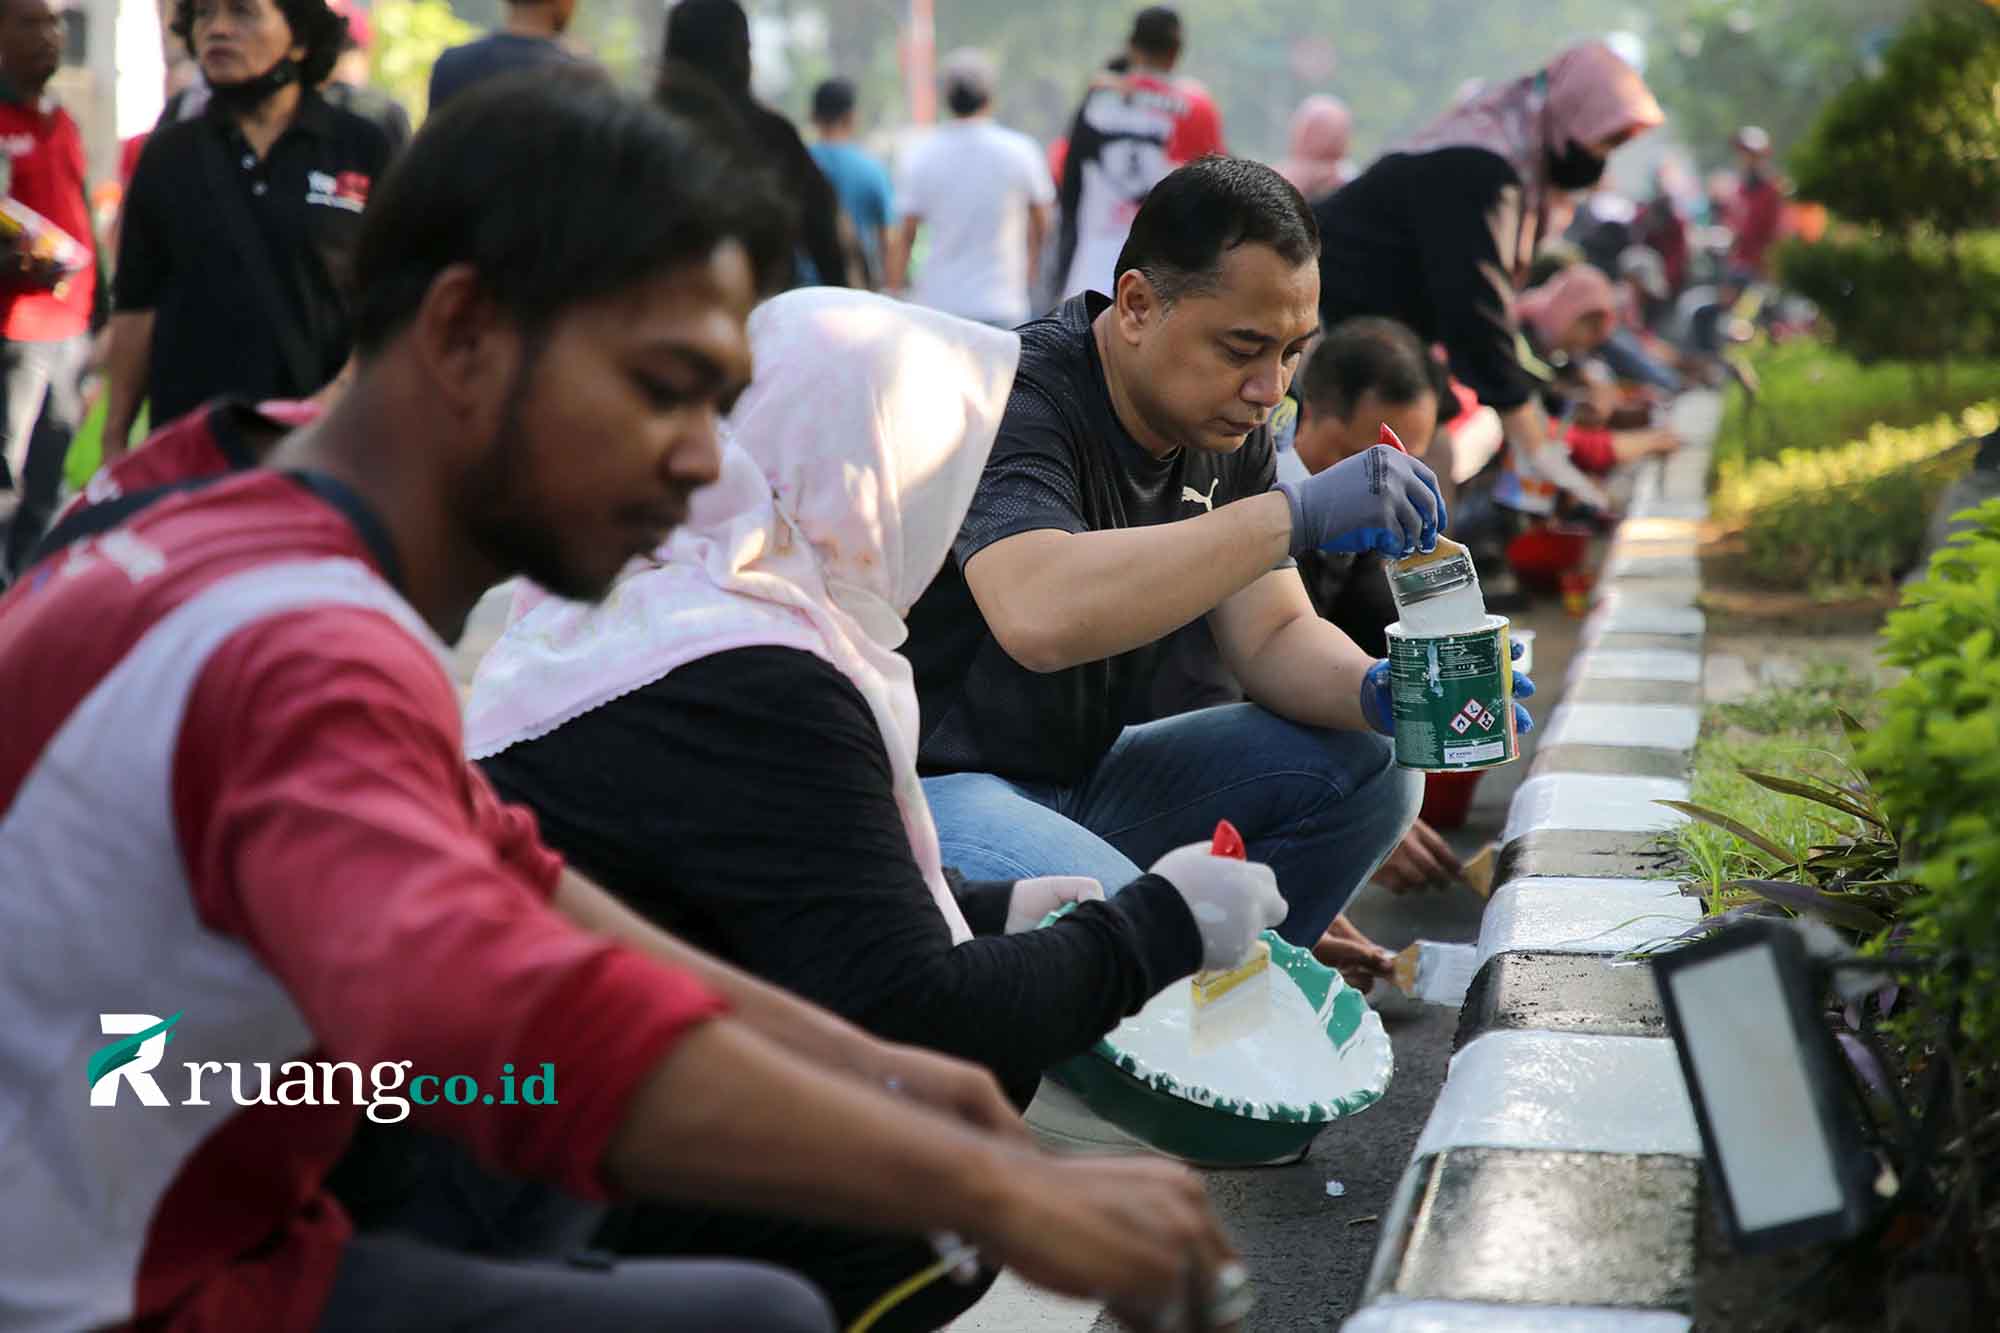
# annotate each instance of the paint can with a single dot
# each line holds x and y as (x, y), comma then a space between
(1452, 695)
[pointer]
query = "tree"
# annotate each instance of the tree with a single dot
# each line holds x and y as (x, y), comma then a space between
(1910, 161)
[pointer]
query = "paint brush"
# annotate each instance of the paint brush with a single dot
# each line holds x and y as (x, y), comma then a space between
(1436, 973)
(1226, 1003)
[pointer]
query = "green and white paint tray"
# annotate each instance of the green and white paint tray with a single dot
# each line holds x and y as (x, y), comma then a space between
(1236, 1126)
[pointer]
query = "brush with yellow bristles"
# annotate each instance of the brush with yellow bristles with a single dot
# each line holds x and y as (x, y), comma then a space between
(1227, 1003)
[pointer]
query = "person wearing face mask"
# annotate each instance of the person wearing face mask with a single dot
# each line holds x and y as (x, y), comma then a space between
(1439, 232)
(239, 229)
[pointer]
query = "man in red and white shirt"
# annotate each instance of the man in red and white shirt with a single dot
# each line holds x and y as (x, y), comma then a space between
(1137, 123)
(48, 275)
(234, 818)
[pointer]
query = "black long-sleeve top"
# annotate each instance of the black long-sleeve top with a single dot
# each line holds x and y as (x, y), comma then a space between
(1428, 239)
(744, 802)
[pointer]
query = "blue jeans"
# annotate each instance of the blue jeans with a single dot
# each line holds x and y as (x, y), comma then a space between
(1321, 808)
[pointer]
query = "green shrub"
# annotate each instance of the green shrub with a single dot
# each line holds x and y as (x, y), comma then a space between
(1935, 759)
(1850, 516)
(1811, 396)
(1915, 298)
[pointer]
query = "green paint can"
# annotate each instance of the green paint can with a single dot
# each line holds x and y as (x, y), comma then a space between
(1452, 696)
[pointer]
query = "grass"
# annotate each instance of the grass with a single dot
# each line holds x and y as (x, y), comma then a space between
(1788, 730)
(1812, 397)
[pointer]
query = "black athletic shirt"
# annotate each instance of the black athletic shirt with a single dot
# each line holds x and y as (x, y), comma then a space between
(745, 803)
(1062, 461)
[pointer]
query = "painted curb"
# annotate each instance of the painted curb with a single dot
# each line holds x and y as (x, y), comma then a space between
(1556, 1185)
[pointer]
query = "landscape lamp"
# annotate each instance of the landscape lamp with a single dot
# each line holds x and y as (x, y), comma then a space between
(1779, 1112)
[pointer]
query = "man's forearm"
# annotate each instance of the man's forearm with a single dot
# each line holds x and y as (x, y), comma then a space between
(129, 349)
(1310, 672)
(730, 1118)
(1527, 432)
(805, 1029)
(1058, 599)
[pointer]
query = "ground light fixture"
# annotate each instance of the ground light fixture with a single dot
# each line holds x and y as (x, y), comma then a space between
(1779, 1112)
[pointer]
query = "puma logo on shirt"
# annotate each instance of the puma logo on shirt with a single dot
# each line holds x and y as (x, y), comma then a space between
(1189, 495)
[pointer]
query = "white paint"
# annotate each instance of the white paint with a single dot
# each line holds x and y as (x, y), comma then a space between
(1558, 914)
(1653, 726)
(1595, 802)
(1564, 1092)
(1278, 1051)
(1393, 1316)
(1631, 564)
(1062, 1122)
(1012, 1306)
(1696, 416)
(1620, 616)
(1679, 531)
(1637, 664)
(1650, 591)
(1744, 1046)
(1657, 507)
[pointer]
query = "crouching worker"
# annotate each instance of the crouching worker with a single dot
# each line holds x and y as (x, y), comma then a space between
(730, 746)
(1130, 492)
(237, 832)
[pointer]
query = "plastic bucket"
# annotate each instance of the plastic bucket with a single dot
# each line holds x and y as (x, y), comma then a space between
(1452, 696)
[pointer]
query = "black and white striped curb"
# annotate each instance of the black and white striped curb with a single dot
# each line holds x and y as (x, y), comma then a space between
(1555, 1187)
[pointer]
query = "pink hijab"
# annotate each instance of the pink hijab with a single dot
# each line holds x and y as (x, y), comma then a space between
(1590, 94)
(847, 469)
(1572, 294)
(1317, 160)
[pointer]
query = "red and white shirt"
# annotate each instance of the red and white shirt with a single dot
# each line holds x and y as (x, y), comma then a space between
(1127, 135)
(231, 787)
(210, 441)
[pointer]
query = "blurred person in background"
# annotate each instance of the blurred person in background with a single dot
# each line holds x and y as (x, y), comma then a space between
(1567, 322)
(859, 181)
(50, 287)
(708, 42)
(348, 87)
(983, 194)
(1439, 233)
(531, 35)
(1316, 162)
(237, 247)
(1133, 128)
(1756, 213)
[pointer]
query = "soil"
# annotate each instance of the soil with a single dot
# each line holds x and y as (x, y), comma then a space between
(1732, 602)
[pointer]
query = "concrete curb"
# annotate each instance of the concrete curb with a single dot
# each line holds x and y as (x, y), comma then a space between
(1556, 1186)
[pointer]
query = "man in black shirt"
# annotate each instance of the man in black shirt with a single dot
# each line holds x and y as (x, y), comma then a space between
(1129, 492)
(239, 229)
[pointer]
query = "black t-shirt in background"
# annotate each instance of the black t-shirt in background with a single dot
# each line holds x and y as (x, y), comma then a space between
(1062, 461)
(1427, 239)
(212, 336)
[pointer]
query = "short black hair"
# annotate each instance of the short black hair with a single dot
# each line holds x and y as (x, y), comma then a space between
(1201, 211)
(833, 101)
(712, 36)
(1364, 355)
(595, 191)
(1156, 30)
(315, 27)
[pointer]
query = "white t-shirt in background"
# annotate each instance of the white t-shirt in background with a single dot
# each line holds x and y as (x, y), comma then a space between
(972, 182)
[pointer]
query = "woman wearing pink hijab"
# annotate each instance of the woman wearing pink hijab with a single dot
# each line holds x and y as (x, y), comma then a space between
(1566, 320)
(1437, 231)
(1317, 160)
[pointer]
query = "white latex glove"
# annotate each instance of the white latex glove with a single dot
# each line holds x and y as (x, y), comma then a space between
(1034, 899)
(1232, 901)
